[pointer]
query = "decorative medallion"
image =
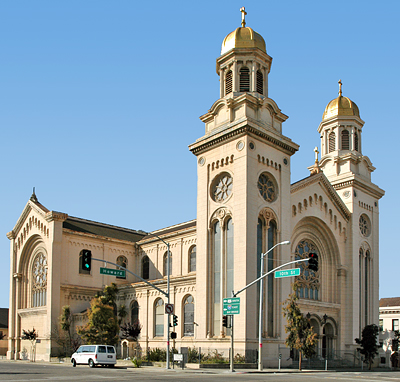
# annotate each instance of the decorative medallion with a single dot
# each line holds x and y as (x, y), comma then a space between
(202, 160)
(266, 187)
(347, 194)
(240, 145)
(285, 161)
(222, 187)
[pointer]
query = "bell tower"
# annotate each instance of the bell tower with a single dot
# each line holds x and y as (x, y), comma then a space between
(243, 167)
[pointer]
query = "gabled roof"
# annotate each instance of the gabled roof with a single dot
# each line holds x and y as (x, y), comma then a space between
(102, 229)
(324, 183)
(389, 301)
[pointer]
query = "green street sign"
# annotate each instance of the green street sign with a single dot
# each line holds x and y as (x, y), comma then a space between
(287, 273)
(231, 305)
(112, 272)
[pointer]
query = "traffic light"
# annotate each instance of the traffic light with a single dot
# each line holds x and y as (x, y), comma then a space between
(86, 260)
(173, 335)
(225, 321)
(313, 262)
(175, 320)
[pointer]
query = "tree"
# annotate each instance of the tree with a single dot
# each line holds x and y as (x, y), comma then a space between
(30, 335)
(102, 326)
(131, 331)
(300, 333)
(369, 344)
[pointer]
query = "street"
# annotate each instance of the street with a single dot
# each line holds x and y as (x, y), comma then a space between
(26, 371)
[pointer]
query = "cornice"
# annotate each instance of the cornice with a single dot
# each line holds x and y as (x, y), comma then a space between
(243, 129)
(369, 188)
(55, 216)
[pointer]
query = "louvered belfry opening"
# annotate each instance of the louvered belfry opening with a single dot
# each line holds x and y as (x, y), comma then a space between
(244, 79)
(228, 82)
(332, 138)
(260, 82)
(345, 140)
(356, 142)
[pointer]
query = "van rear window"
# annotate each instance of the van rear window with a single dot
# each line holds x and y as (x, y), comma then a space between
(110, 349)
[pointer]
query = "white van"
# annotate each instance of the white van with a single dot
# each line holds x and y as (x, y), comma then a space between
(93, 355)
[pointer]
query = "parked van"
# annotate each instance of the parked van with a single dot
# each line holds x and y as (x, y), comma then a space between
(93, 355)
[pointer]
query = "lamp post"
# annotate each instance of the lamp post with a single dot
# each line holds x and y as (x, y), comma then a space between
(168, 292)
(260, 317)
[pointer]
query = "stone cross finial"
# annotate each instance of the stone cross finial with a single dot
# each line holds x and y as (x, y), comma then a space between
(316, 154)
(340, 88)
(244, 13)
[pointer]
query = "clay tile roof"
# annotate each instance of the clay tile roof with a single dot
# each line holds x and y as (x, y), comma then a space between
(389, 301)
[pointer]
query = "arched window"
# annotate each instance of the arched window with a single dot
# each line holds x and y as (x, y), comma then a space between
(356, 141)
(145, 267)
(192, 259)
(81, 270)
(308, 281)
(134, 312)
(123, 261)
(39, 280)
(228, 82)
(260, 82)
(223, 266)
(332, 143)
(266, 239)
(188, 316)
(159, 318)
(345, 140)
(165, 263)
(364, 286)
(244, 83)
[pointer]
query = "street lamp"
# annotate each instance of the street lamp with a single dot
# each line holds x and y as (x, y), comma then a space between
(168, 291)
(260, 317)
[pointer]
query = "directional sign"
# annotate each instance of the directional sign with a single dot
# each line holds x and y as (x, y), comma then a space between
(169, 308)
(287, 273)
(112, 272)
(231, 305)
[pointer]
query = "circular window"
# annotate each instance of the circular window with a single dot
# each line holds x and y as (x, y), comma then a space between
(240, 145)
(222, 187)
(202, 161)
(285, 161)
(267, 188)
(252, 146)
(365, 225)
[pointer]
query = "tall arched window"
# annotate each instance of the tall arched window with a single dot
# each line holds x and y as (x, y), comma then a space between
(345, 140)
(192, 259)
(356, 141)
(244, 82)
(165, 263)
(39, 280)
(364, 286)
(332, 142)
(228, 82)
(145, 267)
(134, 312)
(223, 267)
(81, 270)
(260, 82)
(159, 318)
(266, 239)
(123, 262)
(308, 281)
(188, 316)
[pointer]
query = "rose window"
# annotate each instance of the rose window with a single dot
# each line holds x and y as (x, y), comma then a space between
(222, 188)
(267, 188)
(364, 224)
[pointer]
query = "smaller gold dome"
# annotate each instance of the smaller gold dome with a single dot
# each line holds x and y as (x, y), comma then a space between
(243, 37)
(340, 106)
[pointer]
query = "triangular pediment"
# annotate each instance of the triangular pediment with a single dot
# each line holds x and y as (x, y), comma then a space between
(318, 182)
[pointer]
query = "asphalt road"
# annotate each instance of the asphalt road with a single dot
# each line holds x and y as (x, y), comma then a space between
(26, 371)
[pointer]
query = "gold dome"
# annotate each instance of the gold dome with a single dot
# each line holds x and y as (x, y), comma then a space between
(340, 106)
(243, 37)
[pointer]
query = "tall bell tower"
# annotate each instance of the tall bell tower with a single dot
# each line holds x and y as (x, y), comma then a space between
(243, 166)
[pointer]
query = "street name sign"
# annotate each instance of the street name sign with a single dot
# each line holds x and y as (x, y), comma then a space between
(112, 272)
(287, 273)
(231, 305)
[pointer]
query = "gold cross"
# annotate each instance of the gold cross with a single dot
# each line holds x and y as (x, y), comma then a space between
(340, 88)
(244, 13)
(316, 154)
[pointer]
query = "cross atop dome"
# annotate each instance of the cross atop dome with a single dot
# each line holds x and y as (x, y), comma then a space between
(244, 13)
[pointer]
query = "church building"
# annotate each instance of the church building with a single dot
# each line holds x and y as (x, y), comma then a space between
(246, 204)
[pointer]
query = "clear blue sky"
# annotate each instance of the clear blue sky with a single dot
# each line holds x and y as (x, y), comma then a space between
(99, 100)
